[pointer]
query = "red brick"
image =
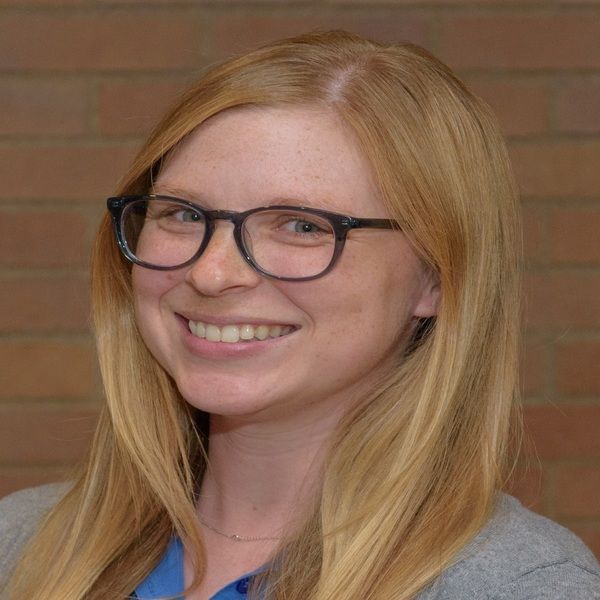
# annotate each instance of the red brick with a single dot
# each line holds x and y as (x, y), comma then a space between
(42, 3)
(17, 478)
(39, 238)
(521, 106)
(578, 369)
(575, 235)
(41, 305)
(527, 484)
(563, 299)
(578, 106)
(521, 41)
(534, 234)
(45, 433)
(589, 533)
(239, 31)
(196, 2)
(578, 490)
(47, 369)
(126, 107)
(533, 369)
(74, 172)
(40, 107)
(438, 2)
(557, 169)
(122, 40)
(560, 432)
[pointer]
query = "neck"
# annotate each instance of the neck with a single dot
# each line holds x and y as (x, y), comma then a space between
(263, 477)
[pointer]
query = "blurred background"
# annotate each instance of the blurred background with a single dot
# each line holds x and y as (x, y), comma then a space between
(83, 81)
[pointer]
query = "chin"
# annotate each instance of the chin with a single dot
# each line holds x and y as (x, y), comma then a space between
(226, 400)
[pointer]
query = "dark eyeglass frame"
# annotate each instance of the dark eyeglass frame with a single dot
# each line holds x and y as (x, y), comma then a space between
(341, 225)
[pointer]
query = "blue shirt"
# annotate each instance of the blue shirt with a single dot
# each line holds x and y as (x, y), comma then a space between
(166, 579)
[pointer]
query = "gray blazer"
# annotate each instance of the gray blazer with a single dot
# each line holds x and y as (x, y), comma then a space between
(517, 556)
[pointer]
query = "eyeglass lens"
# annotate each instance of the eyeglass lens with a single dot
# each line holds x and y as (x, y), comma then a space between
(281, 242)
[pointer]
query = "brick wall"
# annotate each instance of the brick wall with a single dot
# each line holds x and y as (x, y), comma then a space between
(83, 80)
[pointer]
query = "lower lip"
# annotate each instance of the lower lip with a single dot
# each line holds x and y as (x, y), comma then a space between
(202, 347)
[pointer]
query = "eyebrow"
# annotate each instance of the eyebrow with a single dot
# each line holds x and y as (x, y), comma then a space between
(204, 202)
(176, 192)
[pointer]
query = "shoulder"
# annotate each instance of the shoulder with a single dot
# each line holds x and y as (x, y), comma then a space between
(20, 515)
(22, 510)
(520, 555)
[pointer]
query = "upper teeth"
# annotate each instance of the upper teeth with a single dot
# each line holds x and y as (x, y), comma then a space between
(234, 333)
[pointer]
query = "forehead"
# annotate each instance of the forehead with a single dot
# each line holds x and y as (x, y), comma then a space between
(248, 157)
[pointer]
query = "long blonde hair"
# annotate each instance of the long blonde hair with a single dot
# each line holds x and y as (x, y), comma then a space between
(413, 473)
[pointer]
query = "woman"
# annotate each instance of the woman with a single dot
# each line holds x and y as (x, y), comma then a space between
(306, 303)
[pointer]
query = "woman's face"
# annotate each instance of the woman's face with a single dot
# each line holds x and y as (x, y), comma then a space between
(343, 329)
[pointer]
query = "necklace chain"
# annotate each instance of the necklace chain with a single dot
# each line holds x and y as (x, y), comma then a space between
(239, 538)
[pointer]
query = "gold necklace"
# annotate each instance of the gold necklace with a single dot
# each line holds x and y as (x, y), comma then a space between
(238, 538)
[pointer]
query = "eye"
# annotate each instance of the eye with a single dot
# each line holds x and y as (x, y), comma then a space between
(177, 213)
(285, 226)
(302, 225)
(186, 215)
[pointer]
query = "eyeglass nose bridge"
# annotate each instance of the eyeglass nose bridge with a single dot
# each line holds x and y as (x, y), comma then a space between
(237, 219)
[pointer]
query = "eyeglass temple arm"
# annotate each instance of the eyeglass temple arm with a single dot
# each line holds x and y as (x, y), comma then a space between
(373, 223)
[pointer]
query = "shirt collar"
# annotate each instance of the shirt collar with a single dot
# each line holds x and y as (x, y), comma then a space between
(166, 579)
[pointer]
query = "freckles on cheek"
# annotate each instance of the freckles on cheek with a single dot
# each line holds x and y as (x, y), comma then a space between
(149, 283)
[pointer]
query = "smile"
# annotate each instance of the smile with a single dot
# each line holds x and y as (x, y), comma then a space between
(231, 334)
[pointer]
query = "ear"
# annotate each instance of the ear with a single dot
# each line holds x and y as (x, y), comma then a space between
(427, 305)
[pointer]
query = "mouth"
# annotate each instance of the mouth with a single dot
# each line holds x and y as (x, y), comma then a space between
(234, 333)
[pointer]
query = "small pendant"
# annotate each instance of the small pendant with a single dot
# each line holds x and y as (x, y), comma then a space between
(236, 538)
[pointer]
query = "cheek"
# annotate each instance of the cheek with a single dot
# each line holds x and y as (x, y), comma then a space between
(149, 286)
(146, 293)
(379, 291)
(362, 305)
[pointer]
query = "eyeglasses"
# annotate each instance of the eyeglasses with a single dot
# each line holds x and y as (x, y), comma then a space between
(291, 243)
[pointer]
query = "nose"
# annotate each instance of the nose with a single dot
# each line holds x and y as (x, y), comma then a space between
(221, 268)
